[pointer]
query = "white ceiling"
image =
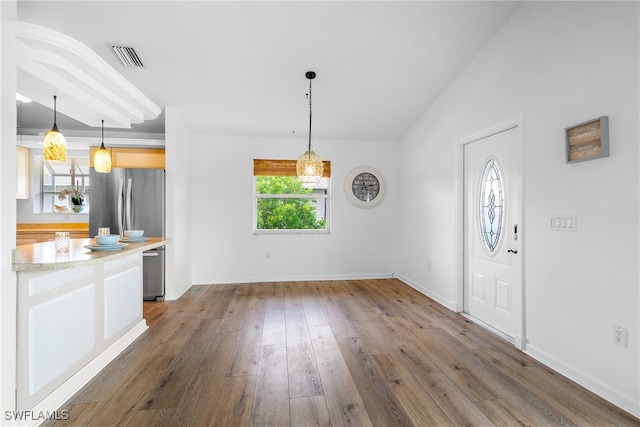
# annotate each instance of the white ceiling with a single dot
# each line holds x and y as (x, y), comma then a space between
(238, 68)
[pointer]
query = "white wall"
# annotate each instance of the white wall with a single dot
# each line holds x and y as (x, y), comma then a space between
(8, 212)
(362, 243)
(178, 204)
(561, 63)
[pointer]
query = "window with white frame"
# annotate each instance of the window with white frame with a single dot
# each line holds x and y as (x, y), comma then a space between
(61, 181)
(283, 204)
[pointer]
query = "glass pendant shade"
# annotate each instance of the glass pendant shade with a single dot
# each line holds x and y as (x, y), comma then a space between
(55, 146)
(102, 160)
(310, 167)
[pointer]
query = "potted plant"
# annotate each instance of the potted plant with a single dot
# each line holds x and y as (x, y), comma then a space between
(77, 198)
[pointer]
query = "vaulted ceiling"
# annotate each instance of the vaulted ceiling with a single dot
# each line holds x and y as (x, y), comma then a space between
(238, 68)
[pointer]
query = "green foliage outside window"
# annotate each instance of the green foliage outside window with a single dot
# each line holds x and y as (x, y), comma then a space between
(293, 213)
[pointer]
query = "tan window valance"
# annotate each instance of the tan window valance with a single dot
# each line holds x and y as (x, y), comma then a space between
(273, 167)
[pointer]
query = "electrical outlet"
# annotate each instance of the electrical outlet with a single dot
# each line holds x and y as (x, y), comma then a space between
(268, 255)
(620, 335)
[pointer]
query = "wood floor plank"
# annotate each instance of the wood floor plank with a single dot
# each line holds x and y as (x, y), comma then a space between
(304, 379)
(197, 404)
(312, 309)
(176, 339)
(368, 322)
(128, 363)
(309, 411)
(292, 302)
(423, 363)
(343, 399)
(271, 400)
(153, 417)
(124, 403)
(245, 297)
(177, 376)
(546, 388)
(502, 413)
(420, 408)
(536, 373)
(453, 402)
(79, 414)
(264, 292)
(453, 355)
(380, 404)
(247, 350)
(326, 353)
(234, 402)
(273, 332)
(334, 302)
(218, 301)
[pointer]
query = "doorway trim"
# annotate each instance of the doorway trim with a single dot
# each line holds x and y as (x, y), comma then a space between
(517, 123)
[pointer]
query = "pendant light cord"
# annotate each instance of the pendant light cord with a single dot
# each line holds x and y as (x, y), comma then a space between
(310, 117)
(55, 107)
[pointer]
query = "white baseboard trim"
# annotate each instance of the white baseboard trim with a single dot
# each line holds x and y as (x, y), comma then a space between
(177, 294)
(451, 305)
(328, 277)
(623, 402)
(59, 396)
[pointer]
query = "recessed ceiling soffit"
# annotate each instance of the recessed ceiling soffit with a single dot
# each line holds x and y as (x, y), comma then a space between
(88, 88)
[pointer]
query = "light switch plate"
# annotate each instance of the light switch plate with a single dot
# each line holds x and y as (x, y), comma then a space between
(563, 222)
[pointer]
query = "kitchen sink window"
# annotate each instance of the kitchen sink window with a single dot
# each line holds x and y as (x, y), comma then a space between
(65, 185)
(284, 205)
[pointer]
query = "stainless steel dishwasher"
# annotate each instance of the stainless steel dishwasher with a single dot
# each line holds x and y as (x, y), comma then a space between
(153, 274)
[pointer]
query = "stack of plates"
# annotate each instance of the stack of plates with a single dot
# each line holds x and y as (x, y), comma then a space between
(115, 247)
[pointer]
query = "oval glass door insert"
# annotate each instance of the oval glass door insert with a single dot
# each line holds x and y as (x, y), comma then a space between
(491, 206)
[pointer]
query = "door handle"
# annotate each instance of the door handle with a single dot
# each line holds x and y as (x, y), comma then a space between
(511, 251)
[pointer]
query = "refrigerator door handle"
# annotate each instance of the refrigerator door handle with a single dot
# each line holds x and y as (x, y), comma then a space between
(128, 205)
(120, 207)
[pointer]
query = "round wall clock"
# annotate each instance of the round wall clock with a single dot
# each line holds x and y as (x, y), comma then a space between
(364, 187)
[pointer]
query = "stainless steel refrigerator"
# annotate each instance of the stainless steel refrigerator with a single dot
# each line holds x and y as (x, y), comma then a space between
(132, 199)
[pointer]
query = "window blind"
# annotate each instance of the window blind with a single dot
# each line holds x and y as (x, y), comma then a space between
(274, 167)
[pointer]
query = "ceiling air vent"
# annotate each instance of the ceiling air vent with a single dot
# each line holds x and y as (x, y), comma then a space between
(127, 56)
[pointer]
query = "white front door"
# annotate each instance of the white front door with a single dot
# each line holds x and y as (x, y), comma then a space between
(492, 256)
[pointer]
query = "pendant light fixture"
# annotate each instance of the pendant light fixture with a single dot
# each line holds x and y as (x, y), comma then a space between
(55, 146)
(102, 158)
(309, 166)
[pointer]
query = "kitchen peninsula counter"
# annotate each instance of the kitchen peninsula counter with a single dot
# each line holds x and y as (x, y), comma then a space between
(76, 312)
(43, 256)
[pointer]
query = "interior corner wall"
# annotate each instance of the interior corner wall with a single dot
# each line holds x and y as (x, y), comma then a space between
(178, 207)
(362, 242)
(561, 63)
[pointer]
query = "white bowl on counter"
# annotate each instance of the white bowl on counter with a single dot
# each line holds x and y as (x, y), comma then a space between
(108, 239)
(133, 233)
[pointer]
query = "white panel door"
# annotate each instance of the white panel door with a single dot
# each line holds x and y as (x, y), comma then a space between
(492, 278)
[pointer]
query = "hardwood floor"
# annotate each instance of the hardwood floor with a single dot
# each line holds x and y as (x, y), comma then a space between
(339, 353)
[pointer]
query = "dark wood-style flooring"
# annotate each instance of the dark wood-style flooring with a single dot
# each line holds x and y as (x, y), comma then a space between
(339, 353)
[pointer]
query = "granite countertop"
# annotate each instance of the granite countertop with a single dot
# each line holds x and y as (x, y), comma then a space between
(43, 256)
